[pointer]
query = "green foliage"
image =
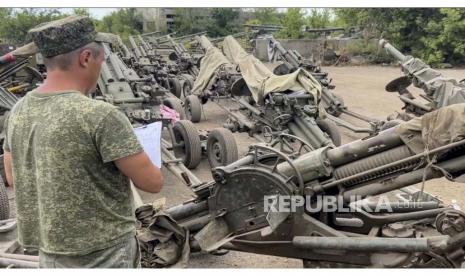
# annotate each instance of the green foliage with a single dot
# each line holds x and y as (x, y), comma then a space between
(445, 42)
(225, 22)
(216, 21)
(81, 12)
(369, 49)
(265, 16)
(318, 18)
(190, 21)
(292, 24)
(434, 35)
(124, 22)
(15, 23)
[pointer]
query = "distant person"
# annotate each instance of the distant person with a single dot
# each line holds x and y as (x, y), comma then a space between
(70, 158)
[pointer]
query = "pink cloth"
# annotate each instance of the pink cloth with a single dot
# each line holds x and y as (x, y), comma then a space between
(169, 113)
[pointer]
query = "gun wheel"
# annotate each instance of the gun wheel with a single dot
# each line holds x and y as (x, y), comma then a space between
(188, 146)
(221, 147)
(175, 87)
(4, 202)
(187, 85)
(175, 103)
(193, 108)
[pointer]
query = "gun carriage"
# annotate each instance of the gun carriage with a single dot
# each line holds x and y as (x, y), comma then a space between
(333, 104)
(413, 229)
(291, 109)
(438, 90)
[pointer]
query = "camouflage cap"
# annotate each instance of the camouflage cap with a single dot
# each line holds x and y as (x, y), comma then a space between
(64, 35)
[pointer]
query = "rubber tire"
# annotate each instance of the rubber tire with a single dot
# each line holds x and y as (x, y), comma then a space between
(190, 79)
(193, 108)
(186, 88)
(185, 130)
(2, 168)
(175, 103)
(331, 129)
(175, 87)
(227, 146)
(4, 202)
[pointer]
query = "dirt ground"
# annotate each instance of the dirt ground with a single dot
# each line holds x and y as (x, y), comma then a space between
(362, 89)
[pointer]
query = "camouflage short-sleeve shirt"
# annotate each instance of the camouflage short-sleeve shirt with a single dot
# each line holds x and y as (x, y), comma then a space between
(70, 198)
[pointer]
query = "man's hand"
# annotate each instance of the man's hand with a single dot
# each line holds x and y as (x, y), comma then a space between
(141, 171)
(8, 170)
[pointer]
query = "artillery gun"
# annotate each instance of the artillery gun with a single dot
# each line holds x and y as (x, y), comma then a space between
(217, 79)
(154, 40)
(408, 228)
(333, 104)
(141, 99)
(146, 61)
(439, 91)
(290, 106)
(186, 62)
(18, 71)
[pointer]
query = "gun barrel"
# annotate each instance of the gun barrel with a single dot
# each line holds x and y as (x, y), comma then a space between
(392, 50)
(127, 53)
(135, 47)
(144, 44)
(115, 66)
(288, 56)
(264, 27)
(309, 30)
(106, 74)
(190, 35)
(151, 33)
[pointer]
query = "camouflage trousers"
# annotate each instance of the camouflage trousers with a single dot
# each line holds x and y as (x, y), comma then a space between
(123, 255)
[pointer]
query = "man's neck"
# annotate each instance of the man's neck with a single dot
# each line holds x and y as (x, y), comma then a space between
(58, 81)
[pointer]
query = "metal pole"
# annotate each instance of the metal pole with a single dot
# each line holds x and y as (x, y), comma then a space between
(362, 244)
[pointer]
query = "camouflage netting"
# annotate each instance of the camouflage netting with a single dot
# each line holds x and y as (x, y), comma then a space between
(211, 61)
(262, 81)
(437, 128)
(163, 242)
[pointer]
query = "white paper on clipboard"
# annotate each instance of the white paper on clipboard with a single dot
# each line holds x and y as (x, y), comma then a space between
(150, 138)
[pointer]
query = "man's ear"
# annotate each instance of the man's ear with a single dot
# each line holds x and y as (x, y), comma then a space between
(84, 57)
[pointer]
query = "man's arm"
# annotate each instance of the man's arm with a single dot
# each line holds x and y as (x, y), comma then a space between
(7, 165)
(141, 171)
(116, 142)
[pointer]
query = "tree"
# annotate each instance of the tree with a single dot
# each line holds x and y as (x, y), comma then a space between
(292, 24)
(225, 22)
(318, 18)
(81, 11)
(445, 42)
(15, 23)
(190, 21)
(434, 35)
(123, 22)
(266, 16)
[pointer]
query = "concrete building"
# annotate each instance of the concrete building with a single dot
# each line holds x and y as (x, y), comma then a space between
(162, 19)
(157, 19)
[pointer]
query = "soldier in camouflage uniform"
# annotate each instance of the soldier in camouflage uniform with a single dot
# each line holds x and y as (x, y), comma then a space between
(70, 158)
